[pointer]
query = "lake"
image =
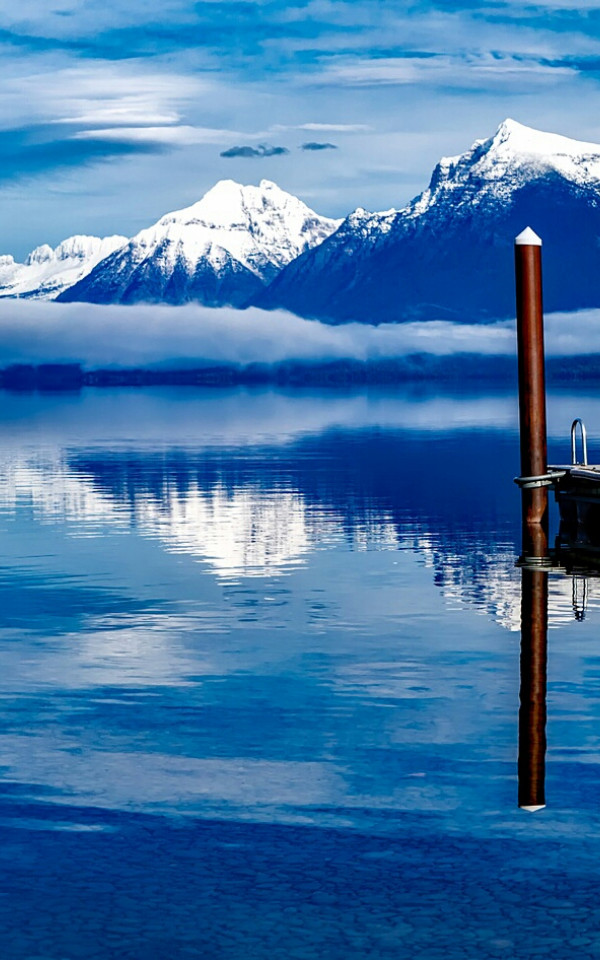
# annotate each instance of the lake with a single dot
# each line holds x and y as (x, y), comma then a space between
(259, 675)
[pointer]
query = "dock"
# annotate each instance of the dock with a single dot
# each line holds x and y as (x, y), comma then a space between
(576, 487)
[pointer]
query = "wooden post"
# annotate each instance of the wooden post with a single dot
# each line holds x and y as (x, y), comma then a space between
(534, 502)
(532, 385)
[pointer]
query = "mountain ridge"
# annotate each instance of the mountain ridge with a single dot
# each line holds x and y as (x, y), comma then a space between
(47, 271)
(448, 254)
(220, 250)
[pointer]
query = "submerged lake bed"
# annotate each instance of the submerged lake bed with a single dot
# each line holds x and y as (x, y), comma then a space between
(259, 676)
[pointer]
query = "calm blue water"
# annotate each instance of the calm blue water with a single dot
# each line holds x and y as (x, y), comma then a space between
(259, 678)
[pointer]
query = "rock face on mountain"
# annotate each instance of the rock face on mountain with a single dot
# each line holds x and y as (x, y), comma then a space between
(449, 253)
(47, 272)
(222, 250)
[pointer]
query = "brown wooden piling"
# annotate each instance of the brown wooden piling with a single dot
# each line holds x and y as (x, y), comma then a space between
(532, 385)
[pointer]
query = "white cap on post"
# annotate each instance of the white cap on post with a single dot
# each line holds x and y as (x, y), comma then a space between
(528, 238)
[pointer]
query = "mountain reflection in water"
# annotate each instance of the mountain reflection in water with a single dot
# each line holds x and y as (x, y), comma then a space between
(259, 673)
(259, 508)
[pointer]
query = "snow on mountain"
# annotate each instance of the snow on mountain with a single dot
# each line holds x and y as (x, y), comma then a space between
(47, 272)
(221, 250)
(516, 155)
(448, 253)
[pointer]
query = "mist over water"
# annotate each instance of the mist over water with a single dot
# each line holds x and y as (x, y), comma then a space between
(192, 335)
(150, 335)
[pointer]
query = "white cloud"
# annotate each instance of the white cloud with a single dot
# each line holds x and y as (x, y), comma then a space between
(149, 335)
(518, 7)
(324, 127)
(466, 72)
(76, 18)
(125, 336)
(176, 135)
(98, 93)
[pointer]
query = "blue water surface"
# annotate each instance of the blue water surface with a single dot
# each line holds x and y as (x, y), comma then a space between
(259, 679)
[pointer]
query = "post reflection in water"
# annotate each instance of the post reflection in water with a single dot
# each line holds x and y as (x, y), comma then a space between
(536, 563)
(532, 711)
(534, 639)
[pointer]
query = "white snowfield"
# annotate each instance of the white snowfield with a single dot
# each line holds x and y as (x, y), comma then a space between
(47, 272)
(263, 228)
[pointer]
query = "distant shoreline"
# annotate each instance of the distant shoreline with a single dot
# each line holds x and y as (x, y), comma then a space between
(420, 368)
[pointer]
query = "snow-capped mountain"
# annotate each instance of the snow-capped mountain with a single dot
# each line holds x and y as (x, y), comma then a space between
(222, 250)
(449, 253)
(47, 272)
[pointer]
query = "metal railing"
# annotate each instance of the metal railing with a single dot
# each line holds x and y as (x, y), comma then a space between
(574, 459)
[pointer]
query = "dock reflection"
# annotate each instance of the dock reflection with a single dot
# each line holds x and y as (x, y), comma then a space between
(537, 563)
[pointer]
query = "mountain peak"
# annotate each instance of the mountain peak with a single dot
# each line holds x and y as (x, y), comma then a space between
(449, 253)
(83, 247)
(520, 139)
(232, 205)
(40, 255)
(516, 155)
(512, 128)
(219, 250)
(46, 272)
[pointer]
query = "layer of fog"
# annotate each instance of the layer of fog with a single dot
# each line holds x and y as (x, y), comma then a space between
(188, 336)
(130, 336)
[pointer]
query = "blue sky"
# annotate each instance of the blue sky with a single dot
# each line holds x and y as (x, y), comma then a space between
(113, 113)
